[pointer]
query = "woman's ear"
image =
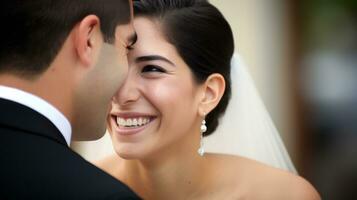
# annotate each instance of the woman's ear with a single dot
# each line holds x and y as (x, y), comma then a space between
(213, 90)
(88, 39)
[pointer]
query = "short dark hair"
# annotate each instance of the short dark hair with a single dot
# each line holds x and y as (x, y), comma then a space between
(33, 32)
(202, 37)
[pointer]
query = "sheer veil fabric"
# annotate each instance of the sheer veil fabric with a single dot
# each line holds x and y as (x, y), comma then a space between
(246, 129)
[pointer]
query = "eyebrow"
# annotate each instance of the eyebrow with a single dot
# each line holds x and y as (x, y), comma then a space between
(153, 57)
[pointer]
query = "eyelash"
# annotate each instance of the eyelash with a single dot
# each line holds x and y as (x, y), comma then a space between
(152, 69)
(130, 47)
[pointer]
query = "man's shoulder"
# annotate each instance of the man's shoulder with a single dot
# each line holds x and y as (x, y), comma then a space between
(39, 166)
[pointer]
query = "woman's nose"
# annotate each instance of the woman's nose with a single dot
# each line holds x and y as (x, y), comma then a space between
(127, 93)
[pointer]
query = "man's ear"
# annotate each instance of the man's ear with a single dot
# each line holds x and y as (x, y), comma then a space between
(213, 90)
(88, 39)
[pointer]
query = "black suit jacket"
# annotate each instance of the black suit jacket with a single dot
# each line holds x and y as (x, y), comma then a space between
(36, 163)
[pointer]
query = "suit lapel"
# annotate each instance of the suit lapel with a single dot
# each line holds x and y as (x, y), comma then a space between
(17, 116)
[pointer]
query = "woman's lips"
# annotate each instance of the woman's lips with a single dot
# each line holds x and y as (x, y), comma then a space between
(125, 125)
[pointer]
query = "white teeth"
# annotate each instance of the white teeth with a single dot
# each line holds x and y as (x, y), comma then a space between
(121, 121)
(133, 122)
(128, 122)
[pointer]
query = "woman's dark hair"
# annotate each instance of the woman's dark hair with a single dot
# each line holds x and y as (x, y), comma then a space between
(34, 31)
(202, 37)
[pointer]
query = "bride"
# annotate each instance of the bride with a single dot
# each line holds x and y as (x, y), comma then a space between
(177, 87)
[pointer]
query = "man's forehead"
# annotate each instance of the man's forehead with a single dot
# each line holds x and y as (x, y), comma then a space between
(131, 9)
(126, 33)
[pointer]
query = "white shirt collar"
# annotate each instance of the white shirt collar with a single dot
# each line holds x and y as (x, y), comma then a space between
(41, 106)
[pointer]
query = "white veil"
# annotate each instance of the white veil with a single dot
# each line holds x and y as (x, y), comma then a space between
(246, 128)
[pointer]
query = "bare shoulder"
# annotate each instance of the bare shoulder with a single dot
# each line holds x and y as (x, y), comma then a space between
(256, 180)
(300, 188)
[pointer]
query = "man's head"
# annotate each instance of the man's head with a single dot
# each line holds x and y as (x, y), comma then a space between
(33, 32)
(70, 52)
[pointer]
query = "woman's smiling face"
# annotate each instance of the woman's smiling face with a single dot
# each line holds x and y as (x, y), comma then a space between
(156, 108)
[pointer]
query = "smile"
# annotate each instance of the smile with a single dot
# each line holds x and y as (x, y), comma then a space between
(132, 122)
(127, 124)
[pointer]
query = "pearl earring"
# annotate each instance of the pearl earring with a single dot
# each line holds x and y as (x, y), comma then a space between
(201, 150)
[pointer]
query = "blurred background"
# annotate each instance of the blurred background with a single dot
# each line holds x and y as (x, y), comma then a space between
(302, 55)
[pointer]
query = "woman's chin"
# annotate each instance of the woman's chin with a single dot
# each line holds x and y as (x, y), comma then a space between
(129, 154)
(136, 154)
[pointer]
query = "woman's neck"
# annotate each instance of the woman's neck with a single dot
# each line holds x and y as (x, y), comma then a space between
(177, 171)
(162, 180)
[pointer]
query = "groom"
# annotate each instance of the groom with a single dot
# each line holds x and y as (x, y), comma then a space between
(60, 63)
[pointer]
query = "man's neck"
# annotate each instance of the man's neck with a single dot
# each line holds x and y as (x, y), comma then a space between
(43, 87)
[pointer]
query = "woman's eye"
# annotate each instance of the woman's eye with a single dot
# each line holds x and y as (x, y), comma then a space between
(152, 68)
